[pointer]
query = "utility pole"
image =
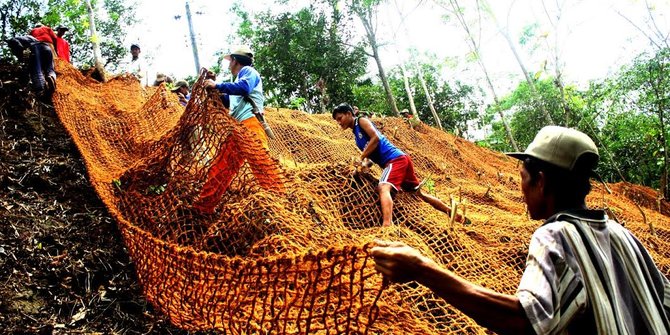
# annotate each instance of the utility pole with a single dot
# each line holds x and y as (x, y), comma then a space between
(194, 46)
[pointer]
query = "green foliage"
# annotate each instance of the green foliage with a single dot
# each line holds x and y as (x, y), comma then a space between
(633, 140)
(297, 103)
(303, 54)
(457, 104)
(625, 114)
(528, 33)
(526, 115)
(112, 20)
(632, 108)
(369, 96)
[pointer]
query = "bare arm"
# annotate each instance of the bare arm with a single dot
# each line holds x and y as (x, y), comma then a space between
(501, 313)
(367, 127)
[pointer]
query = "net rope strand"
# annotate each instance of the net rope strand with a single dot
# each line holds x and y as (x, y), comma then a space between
(285, 250)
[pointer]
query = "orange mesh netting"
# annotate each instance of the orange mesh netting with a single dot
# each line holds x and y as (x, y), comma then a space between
(282, 245)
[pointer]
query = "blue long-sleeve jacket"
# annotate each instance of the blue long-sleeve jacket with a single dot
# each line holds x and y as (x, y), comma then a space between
(248, 82)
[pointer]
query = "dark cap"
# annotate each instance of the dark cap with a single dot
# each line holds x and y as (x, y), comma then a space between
(62, 28)
(135, 46)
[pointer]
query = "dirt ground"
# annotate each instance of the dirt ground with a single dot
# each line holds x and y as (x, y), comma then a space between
(63, 266)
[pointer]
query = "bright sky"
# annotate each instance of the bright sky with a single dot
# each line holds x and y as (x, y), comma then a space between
(594, 38)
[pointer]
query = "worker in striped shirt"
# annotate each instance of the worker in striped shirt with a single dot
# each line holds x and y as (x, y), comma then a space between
(585, 273)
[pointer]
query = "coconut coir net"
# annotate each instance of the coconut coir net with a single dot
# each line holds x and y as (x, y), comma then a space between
(284, 247)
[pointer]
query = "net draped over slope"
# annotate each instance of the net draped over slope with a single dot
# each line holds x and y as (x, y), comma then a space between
(286, 249)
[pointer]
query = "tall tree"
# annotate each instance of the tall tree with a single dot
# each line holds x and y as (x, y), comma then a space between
(408, 90)
(303, 58)
(649, 76)
(95, 41)
(457, 104)
(505, 33)
(555, 18)
(429, 98)
(526, 119)
(454, 7)
(403, 14)
(643, 88)
(366, 11)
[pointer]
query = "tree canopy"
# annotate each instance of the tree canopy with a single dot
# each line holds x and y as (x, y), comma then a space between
(329, 51)
(113, 17)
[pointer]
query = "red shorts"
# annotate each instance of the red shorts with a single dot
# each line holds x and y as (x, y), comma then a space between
(399, 172)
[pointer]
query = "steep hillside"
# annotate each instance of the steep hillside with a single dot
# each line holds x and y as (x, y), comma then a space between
(285, 251)
(63, 265)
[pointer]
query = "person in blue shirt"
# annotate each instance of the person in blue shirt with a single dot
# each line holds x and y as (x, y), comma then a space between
(398, 173)
(247, 83)
(244, 96)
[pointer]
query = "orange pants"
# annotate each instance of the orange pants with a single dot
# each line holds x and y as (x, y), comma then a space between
(227, 164)
(256, 127)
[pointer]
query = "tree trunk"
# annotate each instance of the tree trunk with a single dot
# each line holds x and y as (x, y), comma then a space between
(558, 80)
(475, 49)
(408, 90)
(366, 20)
(429, 98)
(95, 39)
(537, 101)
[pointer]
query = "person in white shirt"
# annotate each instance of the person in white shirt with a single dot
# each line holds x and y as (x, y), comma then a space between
(135, 66)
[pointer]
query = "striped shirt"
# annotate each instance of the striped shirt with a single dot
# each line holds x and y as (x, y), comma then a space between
(586, 274)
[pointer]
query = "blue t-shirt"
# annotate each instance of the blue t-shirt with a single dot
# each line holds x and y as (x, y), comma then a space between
(248, 82)
(385, 150)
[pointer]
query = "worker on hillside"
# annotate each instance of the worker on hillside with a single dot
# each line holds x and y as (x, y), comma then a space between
(46, 35)
(162, 78)
(585, 274)
(182, 91)
(245, 98)
(245, 94)
(135, 65)
(62, 46)
(38, 59)
(398, 171)
(411, 121)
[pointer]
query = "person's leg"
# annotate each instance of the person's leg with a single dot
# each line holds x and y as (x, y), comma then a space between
(439, 205)
(386, 201)
(266, 171)
(411, 184)
(219, 177)
(390, 181)
(255, 126)
(48, 67)
(35, 65)
(435, 202)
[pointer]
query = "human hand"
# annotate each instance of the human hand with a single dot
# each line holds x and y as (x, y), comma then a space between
(366, 162)
(210, 83)
(361, 166)
(398, 262)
